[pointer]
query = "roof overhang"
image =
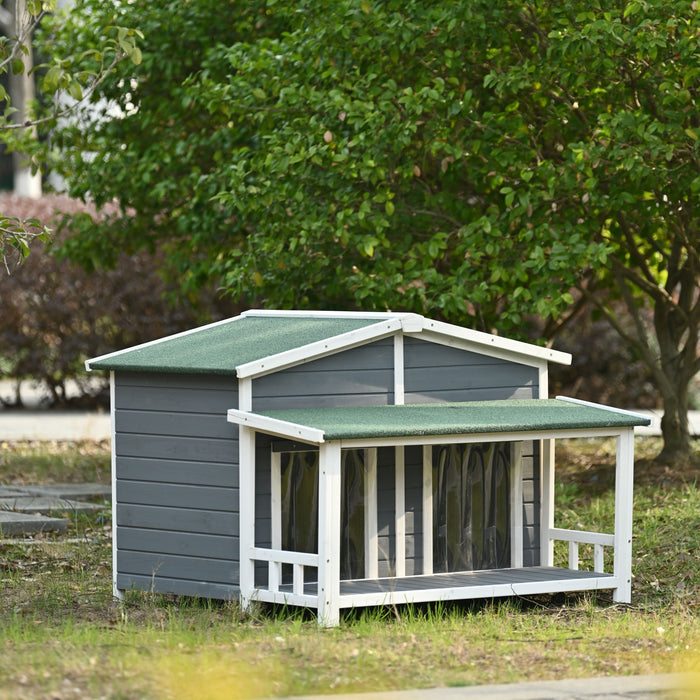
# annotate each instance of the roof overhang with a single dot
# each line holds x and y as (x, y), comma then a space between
(442, 422)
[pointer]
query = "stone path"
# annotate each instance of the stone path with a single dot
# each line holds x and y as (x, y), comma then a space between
(47, 508)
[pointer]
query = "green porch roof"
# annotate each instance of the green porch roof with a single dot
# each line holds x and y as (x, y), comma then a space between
(221, 347)
(517, 415)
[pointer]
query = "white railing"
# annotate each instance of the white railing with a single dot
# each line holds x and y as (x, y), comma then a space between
(578, 537)
(275, 558)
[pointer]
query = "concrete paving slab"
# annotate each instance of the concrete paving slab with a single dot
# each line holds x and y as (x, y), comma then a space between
(9, 491)
(42, 504)
(71, 491)
(12, 524)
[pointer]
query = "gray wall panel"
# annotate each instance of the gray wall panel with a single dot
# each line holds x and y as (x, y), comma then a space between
(183, 424)
(178, 495)
(178, 519)
(159, 584)
(180, 543)
(177, 483)
(174, 447)
(165, 471)
(169, 566)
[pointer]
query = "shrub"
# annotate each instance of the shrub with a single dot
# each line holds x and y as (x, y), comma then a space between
(55, 315)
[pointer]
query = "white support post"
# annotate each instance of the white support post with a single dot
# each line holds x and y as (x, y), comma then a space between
(516, 505)
(117, 592)
(624, 491)
(275, 574)
(329, 502)
(398, 370)
(427, 509)
(547, 505)
(371, 538)
(245, 394)
(246, 495)
(400, 510)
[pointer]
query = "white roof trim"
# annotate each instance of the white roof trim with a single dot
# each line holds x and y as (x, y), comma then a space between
(274, 426)
(313, 351)
(581, 402)
(182, 334)
(379, 315)
(487, 340)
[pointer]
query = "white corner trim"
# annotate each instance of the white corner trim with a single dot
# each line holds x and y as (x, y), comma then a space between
(487, 340)
(274, 426)
(320, 348)
(148, 344)
(623, 411)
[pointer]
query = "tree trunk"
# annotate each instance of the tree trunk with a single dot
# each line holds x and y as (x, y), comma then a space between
(674, 426)
(677, 359)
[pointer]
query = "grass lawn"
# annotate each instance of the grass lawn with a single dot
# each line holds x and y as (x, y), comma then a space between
(61, 636)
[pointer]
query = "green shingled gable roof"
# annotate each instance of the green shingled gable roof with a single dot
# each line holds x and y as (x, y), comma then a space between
(516, 415)
(220, 348)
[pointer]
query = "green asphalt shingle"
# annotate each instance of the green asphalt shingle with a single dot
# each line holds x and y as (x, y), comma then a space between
(515, 415)
(220, 348)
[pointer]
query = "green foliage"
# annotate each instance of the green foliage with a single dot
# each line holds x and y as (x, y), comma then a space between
(63, 86)
(479, 162)
(449, 158)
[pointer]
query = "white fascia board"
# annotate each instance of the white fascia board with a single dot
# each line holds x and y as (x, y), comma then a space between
(273, 426)
(379, 315)
(313, 351)
(464, 438)
(622, 411)
(482, 341)
(148, 344)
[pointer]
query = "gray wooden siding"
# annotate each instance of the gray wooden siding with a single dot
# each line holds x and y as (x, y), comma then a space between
(436, 372)
(441, 373)
(177, 484)
(362, 376)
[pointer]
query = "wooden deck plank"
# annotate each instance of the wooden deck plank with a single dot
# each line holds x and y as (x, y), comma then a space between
(465, 579)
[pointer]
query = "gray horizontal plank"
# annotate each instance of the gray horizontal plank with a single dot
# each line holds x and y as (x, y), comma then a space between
(160, 584)
(205, 425)
(456, 394)
(157, 380)
(180, 543)
(377, 355)
(421, 353)
(366, 381)
(169, 471)
(177, 496)
(171, 566)
(439, 379)
(271, 403)
(178, 519)
(174, 447)
(194, 400)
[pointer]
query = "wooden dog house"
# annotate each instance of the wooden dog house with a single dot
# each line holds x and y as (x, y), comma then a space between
(336, 460)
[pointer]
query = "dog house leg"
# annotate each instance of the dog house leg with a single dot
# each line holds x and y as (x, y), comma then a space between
(329, 502)
(246, 490)
(624, 486)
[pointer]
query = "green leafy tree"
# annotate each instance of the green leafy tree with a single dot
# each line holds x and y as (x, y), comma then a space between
(63, 87)
(476, 161)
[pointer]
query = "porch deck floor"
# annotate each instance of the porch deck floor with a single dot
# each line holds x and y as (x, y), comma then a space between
(546, 577)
